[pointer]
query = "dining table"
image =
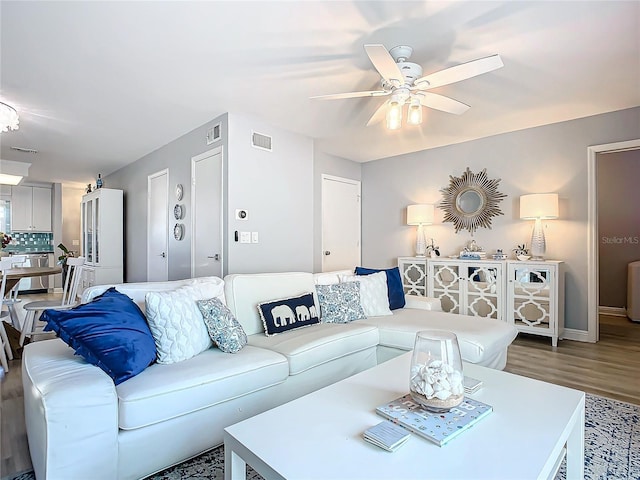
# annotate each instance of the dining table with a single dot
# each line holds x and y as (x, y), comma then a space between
(14, 275)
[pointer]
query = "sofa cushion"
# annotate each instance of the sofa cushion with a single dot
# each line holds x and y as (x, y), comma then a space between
(373, 293)
(109, 332)
(245, 291)
(213, 377)
(285, 314)
(309, 347)
(176, 322)
(394, 284)
(479, 338)
(224, 330)
(340, 303)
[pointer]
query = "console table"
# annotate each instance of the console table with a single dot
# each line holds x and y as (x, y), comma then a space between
(528, 294)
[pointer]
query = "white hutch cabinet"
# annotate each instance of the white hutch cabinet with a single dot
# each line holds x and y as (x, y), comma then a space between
(102, 237)
(535, 298)
(530, 294)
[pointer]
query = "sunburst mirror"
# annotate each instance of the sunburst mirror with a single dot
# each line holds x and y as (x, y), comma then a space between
(471, 201)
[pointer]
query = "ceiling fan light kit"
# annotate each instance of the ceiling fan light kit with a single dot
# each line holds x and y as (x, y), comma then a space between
(403, 80)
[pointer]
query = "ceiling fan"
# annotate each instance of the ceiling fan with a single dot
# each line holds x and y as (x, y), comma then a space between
(403, 81)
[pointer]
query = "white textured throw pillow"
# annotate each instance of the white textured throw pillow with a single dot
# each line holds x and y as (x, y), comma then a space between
(374, 297)
(176, 322)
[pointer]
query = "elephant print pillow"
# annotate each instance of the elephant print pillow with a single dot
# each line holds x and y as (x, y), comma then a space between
(282, 315)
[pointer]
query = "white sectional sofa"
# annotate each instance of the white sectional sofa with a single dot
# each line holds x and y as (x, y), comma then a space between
(80, 425)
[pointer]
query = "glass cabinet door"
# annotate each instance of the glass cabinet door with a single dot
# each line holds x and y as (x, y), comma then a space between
(531, 296)
(88, 230)
(96, 224)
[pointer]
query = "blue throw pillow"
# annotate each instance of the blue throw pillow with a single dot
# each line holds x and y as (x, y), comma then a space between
(288, 313)
(394, 285)
(340, 302)
(110, 332)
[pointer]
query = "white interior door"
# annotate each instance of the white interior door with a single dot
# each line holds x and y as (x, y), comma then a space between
(341, 216)
(158, 226)
(206, 205)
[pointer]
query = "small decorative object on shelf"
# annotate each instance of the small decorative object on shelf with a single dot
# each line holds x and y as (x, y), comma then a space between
(436, 377)
(522, 252)
(88, 190)
(99, 181)
(499, 255)
(432, 249)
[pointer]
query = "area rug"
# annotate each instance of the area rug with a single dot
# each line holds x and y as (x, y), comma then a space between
(612, 448)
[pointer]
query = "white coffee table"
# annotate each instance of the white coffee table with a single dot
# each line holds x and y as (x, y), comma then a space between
(319, 436)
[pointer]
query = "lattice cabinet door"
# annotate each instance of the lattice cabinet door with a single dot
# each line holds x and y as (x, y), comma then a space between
(484, 293)
(446, 283)
(535, 298)
(468, 287)
(413, 271)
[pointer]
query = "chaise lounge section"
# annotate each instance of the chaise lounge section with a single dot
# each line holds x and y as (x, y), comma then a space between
(81, 425)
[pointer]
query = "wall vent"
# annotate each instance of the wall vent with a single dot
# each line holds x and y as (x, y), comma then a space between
(263, 142)
(213, 134)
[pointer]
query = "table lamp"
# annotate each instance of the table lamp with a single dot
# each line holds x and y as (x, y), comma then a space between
(538, 207)
(420, 215)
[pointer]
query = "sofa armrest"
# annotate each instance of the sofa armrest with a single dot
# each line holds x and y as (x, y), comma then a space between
(71, 414)
(423, 303)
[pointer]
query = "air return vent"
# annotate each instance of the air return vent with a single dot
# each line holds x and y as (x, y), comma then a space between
(261, 141)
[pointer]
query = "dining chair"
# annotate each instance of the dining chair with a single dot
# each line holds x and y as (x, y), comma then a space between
(69, 299)
(5, 351)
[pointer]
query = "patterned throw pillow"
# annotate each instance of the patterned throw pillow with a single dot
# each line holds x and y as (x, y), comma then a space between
(373, 293)
(288, 313)
(176, 322)
(340, 303)
(225, 331)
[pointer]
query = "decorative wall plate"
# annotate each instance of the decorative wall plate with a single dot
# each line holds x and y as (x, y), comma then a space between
(178, 212)
(178, 231)
(179, 192)
(471, 200)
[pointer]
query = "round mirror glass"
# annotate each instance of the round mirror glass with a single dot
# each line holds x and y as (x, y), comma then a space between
(469, 202)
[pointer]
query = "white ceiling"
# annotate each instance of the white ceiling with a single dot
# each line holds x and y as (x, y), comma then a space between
(100, 84)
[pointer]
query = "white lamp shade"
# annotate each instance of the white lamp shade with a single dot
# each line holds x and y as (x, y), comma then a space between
(539, 205)
(420, 214)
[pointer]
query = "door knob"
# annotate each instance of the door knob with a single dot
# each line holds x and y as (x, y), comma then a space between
(215, 257)
(163, 255)
(327, 252)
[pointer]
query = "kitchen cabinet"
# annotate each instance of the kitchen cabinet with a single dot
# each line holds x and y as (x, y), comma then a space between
(102, 218)
(30, 209)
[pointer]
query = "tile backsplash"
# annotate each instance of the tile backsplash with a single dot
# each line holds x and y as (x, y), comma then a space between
(30, 242)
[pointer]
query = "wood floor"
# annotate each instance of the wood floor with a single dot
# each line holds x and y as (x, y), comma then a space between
(609, 368)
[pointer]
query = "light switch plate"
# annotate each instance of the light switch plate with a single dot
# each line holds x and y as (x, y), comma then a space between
(254, 237)
(245, 237)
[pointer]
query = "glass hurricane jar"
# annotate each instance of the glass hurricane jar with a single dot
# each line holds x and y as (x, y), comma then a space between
(436, 378)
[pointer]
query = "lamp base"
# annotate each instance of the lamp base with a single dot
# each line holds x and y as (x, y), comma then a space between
(538, 242)
(421, 242)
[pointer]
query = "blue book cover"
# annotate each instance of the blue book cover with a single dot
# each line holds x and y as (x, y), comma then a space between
(439, 428)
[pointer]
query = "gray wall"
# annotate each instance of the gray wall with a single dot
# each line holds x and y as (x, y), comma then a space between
(325, 164)
(276, 188)
(175, 156)
(551, 158)
(618, 176)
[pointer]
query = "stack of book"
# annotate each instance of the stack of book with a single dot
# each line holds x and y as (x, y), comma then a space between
(439, 428)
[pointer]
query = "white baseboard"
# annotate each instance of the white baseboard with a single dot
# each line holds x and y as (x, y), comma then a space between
(577, 335)
(57, 290)
(614, 311)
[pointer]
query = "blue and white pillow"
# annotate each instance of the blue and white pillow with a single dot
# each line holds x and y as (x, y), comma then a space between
(340, 302)
(286, 314)
(225, 331)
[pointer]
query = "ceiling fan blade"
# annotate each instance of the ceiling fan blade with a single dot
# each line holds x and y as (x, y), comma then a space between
(338, 96)
(440, 102)
(385, 64)
(378, 115)
(459, 72)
